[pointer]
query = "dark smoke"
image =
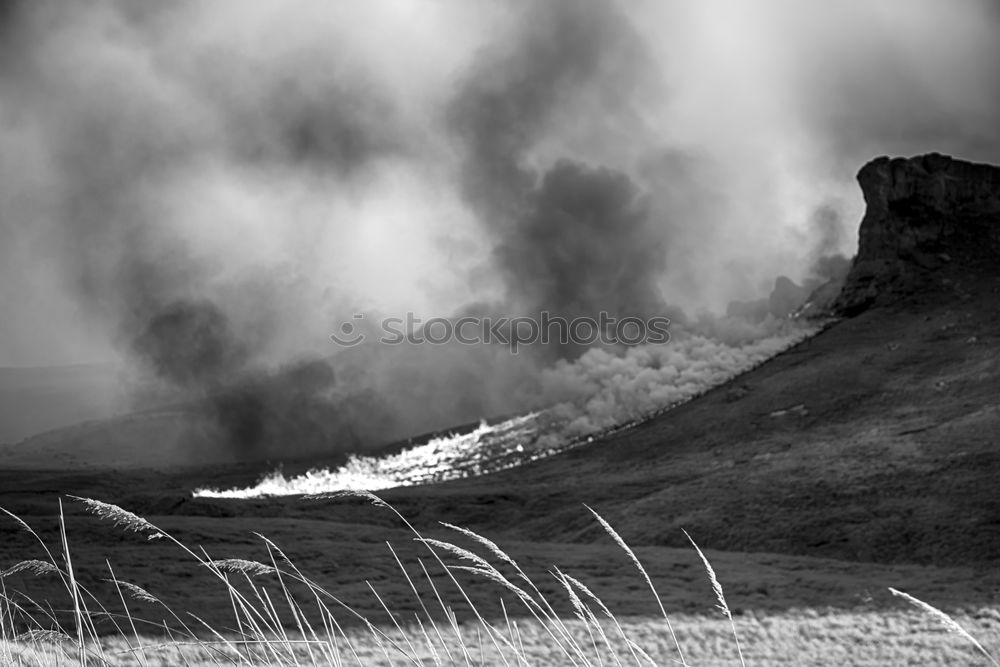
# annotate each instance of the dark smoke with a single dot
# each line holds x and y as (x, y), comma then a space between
(574, 240)
(516, 88)
(130, 144)
(191, 344)
(8, 14)
(585, 246)
(296, 411)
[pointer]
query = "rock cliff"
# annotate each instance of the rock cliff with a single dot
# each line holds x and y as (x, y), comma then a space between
(926, 217)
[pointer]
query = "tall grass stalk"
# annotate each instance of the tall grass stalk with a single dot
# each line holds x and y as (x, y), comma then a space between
(649, 582)
(719, 595)
(281, 617)
(947, 621)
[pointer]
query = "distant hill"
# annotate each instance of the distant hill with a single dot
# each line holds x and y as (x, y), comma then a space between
(37, 399)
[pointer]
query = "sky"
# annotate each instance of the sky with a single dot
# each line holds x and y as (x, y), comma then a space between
(355, 156)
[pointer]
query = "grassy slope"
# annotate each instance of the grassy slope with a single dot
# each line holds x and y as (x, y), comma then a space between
(891, 458)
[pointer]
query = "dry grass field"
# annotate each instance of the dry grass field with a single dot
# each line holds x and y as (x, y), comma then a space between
(459, 598)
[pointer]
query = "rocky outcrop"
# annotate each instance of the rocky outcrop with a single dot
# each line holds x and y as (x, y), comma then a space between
(925, 215)
(812, 299)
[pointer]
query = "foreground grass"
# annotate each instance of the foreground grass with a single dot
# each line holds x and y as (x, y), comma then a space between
(802, 637)
(281, 617)
(793, 638)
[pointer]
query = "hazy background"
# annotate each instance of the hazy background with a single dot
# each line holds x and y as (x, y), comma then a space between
(200, 193)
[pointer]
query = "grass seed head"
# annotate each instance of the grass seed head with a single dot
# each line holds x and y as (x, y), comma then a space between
(455, 550)
(486, 542)
(120, 517)
(349, 493)
(135, 592)
(31, 566)
(716, 586)
(944, 619)
(250, 568)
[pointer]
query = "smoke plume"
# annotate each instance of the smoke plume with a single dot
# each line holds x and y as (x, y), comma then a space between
(206, 191)
(573, 239)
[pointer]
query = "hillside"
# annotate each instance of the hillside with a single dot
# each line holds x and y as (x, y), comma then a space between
(871, 445)
(872, 441)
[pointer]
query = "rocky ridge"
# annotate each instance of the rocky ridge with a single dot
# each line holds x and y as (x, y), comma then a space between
(927, 217)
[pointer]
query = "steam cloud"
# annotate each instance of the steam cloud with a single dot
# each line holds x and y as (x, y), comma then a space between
(207, 190)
